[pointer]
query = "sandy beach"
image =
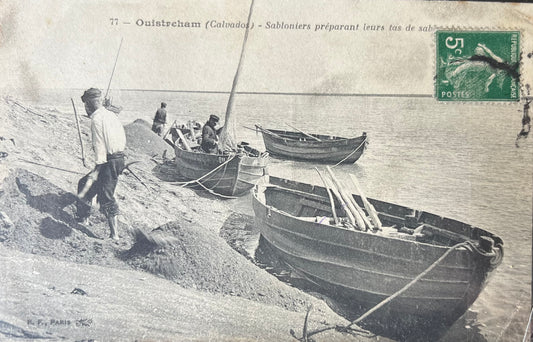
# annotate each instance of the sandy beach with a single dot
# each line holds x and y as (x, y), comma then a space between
(177, 280)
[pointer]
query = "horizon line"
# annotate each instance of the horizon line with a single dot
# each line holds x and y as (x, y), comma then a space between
(279, 93)
(254, 92)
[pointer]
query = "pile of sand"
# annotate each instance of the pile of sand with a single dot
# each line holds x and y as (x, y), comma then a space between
(40, 220)
(198, 258)
(140, 139)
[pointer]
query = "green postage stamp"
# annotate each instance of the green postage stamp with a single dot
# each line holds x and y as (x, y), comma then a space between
(477, 66)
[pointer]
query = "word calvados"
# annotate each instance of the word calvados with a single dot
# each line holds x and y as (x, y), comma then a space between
(226, 24)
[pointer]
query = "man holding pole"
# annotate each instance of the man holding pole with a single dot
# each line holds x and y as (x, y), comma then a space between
(109, 142)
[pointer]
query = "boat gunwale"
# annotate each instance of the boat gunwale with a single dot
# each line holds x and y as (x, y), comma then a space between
(280, 182)
(363, 250)
(358, 232)
(286, 135)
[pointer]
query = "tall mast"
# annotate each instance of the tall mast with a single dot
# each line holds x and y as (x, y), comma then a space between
(228, 133)
(114, 66)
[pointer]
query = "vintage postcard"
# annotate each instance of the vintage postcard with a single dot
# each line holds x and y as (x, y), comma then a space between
(265, 170)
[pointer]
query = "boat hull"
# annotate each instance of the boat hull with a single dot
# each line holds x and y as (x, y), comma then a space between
(233, 175)
(366, 268)
(293, 145)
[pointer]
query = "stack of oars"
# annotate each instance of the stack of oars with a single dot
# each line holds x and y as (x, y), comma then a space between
(357, 217)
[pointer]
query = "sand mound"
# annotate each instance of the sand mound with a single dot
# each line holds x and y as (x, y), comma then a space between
(37, 217)
(141, 139)
(198, 258)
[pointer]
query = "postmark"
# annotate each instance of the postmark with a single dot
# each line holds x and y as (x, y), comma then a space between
(477, 65)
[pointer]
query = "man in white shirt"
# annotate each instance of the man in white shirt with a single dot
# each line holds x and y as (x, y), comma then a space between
(109, 142)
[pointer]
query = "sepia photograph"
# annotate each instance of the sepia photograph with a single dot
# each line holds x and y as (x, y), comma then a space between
(226, 170)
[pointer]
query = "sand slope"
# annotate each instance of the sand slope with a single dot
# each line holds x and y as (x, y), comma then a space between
(194, 288)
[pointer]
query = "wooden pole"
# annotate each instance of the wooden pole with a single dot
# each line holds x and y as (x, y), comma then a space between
(368, 224)
(226, 141)
(307, 134)
(368, 206)
(267, 131)
(168, 130)
(346, 197)
(333, 211)
(183, 140)
(351, 218)
(361, 212)
(79, 132)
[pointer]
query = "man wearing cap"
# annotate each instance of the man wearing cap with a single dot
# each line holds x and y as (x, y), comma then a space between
(209, 135)
(160, 119)
(109, 142)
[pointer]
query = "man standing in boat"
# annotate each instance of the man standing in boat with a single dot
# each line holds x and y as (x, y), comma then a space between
(210, 135)
(160, 119)
(109, 142)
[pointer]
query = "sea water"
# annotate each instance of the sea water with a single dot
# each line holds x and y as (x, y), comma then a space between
(455, 160)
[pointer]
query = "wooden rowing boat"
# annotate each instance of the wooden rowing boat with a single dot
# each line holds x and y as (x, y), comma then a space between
(301, 146)
(227, 174)
(234, 174)
(235, 168)
(365, 267)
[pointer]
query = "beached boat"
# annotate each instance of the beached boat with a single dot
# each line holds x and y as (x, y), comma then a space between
(227, 174)
(313, 147)
(364, 267)
(236, 167)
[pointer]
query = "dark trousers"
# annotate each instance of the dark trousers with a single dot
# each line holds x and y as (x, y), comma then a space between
(103, 188)
(158, 127)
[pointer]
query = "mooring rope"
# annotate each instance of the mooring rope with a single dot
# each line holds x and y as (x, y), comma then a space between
(197, 181)
(211, 191)
(411, 283)
(207, 174)
(527, 327)
(220, 177)
(215, 193)
(351, 153)
(350, 327)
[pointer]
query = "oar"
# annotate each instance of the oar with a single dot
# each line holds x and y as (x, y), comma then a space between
(343, 203)
(183, 140)
(331, 201)
(307, 134)
(168, 130)
(346, 198)
(368, 206)
(250, 128)
(264, 130)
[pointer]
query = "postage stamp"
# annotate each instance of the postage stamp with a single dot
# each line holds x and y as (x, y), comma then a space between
(477, 66)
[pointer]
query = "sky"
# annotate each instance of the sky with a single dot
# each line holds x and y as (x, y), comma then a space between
(60, 44)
